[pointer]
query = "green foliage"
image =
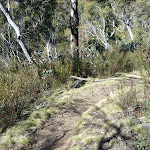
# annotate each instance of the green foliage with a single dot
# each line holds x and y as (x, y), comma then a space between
(124, 58)
(40, 21)
(135, 104)
(37, 20)
(53, 73)
(61, 71)
(19, 86)
(109, 63)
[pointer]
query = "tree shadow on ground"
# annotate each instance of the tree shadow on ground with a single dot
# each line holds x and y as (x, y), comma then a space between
(106, 140)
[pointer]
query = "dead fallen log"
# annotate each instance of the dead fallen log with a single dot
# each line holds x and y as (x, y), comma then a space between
(92, 80)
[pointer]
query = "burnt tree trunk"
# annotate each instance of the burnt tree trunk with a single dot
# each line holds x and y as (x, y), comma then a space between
(74, 22)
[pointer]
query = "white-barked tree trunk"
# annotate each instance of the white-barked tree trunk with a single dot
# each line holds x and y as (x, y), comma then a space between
(17, 30)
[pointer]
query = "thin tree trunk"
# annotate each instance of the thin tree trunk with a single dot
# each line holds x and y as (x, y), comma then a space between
(8, 6)
(130, 32)
(48, 49)
(74, 22)
(17, 30)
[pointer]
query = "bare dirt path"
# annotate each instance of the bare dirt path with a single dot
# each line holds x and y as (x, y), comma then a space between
(56, 133)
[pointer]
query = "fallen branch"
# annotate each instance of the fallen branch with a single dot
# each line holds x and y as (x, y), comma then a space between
(100, 80)
(135, 76)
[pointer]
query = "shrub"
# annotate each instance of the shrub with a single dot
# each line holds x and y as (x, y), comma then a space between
(19, 85)
(135, 103)
(108, 63)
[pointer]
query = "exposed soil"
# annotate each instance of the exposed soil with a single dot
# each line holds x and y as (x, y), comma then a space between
(57, 132)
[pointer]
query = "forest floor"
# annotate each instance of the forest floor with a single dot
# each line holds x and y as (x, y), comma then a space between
(79, 126)
(89, 117)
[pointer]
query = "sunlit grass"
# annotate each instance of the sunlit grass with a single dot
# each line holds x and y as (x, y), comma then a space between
(114, 105)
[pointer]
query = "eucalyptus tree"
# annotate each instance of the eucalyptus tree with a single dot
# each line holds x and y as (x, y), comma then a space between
(132, 15)
(6, 43)
(121, 9)
(37, 23)
(32, 20)
(99, 23)
(74, 22)
(43, 24)
(141, 12)
(60, 29)
(19, 37)
(126, 20)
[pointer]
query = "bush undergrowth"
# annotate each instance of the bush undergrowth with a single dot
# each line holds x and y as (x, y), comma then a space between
(136, 105)
(20, 84)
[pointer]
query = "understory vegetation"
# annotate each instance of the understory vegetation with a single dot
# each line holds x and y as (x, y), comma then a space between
(22, 85)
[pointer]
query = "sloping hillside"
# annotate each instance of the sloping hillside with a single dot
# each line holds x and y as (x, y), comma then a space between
(98, 115)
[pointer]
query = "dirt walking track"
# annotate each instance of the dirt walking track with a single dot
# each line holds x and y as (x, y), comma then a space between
(57, 132)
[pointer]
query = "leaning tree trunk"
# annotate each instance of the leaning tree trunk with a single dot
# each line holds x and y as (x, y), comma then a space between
(130, 32)
(17, 30)
(74, 22)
